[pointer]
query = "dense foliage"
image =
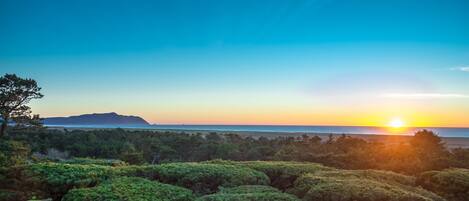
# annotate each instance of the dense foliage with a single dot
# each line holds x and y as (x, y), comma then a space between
(249, 193)
(452, 184)
(424, 151)
(15, 94)
(250, 189)
(87, 161)
(206, 178)
(282, 174)
(42, 163)
(359, 185)
(224, 180)
(13, 153)
(52, 179)
(130, 188)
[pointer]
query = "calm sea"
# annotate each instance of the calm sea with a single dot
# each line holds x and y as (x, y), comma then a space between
(444, 132)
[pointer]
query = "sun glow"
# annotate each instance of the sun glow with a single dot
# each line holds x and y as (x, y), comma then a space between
(396, 123)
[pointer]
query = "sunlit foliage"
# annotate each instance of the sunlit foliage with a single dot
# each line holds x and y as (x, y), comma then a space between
(130, 188)
(450, 183)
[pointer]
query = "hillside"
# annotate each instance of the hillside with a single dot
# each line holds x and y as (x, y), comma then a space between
(96, 119)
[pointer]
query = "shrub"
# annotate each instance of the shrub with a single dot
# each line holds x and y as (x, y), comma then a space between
(8, 195)
(45, 180)
(379, 175)
(359, 185)
(145, 171)
(282, 174)
(452, 184)
(13, 153)
(56, 179)
(206, 178)
(130, 188)
(249, 197)
(250, 189)
(249, 193)
(90, 161)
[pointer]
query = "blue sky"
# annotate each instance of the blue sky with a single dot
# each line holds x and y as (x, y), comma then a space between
(244, 62)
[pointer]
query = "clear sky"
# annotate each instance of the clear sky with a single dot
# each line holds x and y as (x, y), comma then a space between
(301, 62)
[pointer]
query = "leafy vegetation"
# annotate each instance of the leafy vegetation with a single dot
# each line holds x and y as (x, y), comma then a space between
(359, 185)
(249, 197)
(250, 189)
(282, 174)
(88, 161)
(313, 170)
(206, 178)
(13, 153)
(15, 94)
(225, 180)
(57, 178)
(249, 193)
(452, 184)
(130, 188)
(424, 151)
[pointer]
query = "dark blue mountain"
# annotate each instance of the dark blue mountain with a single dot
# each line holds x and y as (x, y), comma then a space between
(97, 119)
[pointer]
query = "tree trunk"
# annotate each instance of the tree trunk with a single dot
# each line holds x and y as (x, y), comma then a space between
(3, 127)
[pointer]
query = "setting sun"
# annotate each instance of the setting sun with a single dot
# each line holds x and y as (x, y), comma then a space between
(396, 123)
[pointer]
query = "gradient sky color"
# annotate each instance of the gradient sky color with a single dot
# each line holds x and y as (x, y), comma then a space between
(319, 62)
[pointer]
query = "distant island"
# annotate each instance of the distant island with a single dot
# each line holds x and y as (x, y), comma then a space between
(111, 118)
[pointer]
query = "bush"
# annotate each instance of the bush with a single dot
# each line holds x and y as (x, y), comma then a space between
(452, 184)
(249, 193)
(90, 161)
(379, 175)
(250, 189)
(130, 188)
(282, 174)
(8, 195)
(367, 185)
(249, 197)
(206, 178)
(13, 153)
(55, 179)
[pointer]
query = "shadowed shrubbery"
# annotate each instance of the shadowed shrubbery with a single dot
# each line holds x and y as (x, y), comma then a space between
(359, 185)
(90, 161)
(53, 179)
(282, 174)
(249, 197)
(250, 189)
(8, 195)
(13, 153)
(130, 188)
(452, 184)
(249, 193)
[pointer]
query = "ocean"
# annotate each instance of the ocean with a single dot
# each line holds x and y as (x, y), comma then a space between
(441, 131)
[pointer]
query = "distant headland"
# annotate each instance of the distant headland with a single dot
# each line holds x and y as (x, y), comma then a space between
(110, 118)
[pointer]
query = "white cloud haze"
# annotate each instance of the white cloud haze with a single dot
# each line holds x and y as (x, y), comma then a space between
(461, 68)
(424, 95)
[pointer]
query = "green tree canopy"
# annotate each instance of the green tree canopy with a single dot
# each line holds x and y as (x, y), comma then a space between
(15, 93)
